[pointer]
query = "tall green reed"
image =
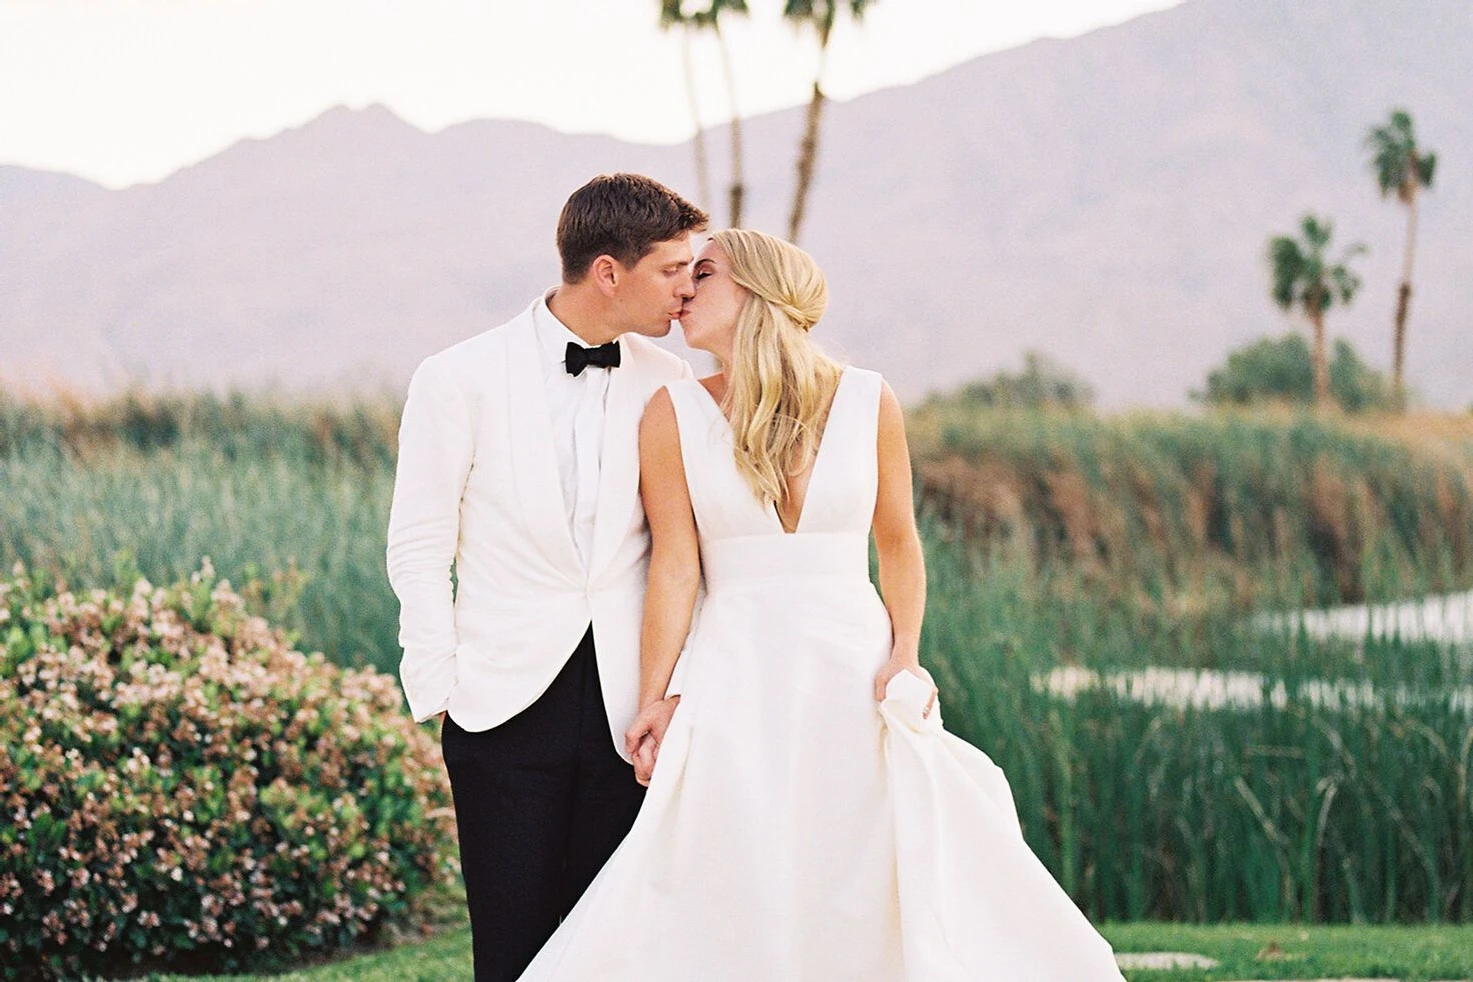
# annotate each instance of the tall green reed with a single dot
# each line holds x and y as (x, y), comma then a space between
(1324, 802)
(303, 537)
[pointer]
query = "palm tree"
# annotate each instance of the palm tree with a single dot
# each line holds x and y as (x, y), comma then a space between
(820, 15)
(671, 15)
(708, 18)
(1402, 168)
(1304, 278)
(737, 189)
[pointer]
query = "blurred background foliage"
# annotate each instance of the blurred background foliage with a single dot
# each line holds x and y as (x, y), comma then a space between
(1280, 370)
(1059, 540)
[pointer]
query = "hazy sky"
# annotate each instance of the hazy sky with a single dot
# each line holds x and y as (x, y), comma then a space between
(123, 91)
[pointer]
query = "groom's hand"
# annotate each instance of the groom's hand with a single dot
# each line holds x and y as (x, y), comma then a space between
(652, 721)
(644, 761)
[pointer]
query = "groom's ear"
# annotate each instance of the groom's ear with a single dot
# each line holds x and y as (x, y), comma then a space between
(605, 272)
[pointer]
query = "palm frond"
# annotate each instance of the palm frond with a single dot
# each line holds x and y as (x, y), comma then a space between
(1302, 276)
(821, 15)
(709, 16)
(1317, 232)
(1389, 165)
(1345, 283)
(670, 14)
(1399, 164)
(1286, 263)
(1426, 166)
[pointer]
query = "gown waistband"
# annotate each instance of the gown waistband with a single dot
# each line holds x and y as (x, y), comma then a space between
(801, 555)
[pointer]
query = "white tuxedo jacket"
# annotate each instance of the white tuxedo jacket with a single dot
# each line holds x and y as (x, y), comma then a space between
(478, 485)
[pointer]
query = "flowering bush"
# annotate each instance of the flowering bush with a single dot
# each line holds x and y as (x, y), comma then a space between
(182, 790)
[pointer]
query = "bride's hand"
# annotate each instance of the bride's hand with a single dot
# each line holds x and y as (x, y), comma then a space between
(892, 668)
(647, 730)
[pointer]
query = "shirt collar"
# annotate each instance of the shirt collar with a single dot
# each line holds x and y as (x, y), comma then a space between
(552, 334)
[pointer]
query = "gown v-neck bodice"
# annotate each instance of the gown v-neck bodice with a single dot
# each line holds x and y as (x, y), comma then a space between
(743, 538)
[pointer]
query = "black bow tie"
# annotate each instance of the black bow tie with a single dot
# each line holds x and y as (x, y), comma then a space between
(579, 357)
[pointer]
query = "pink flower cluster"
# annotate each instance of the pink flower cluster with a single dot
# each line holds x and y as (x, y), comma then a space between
(182, 789)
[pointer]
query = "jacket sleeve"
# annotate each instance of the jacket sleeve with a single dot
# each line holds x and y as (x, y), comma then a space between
(436, 444)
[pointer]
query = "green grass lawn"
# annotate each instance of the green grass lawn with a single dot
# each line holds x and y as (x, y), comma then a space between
(1283, 951)
(445, 958)
(1292, 951)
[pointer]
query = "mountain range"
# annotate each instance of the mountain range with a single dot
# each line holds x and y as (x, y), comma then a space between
(1105, 199)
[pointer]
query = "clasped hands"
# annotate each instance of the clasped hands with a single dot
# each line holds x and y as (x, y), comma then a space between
(643, 738)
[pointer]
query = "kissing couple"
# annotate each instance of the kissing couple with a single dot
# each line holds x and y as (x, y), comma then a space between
(615, 577)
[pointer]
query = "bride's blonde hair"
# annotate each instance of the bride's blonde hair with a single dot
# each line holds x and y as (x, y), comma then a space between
(779, 385)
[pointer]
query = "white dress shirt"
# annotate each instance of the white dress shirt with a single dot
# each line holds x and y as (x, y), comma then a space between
(576, 405)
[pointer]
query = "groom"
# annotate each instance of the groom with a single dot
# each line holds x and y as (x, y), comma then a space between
(518, 465)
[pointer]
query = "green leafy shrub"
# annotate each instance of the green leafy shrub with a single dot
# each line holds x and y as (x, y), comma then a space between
(1280, 369)
(1044, 383)
(182, 790)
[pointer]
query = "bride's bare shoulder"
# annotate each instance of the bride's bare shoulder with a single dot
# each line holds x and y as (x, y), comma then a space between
(891, 428)
(659, 438)
(660, 407)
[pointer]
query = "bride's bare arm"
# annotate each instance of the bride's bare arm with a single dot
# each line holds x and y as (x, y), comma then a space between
(902, 563)
(675, 563)
(675, 568)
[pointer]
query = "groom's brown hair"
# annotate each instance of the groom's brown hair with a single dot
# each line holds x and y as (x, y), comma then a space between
(624, 216)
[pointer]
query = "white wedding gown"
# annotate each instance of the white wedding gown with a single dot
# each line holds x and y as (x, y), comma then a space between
(794, 829)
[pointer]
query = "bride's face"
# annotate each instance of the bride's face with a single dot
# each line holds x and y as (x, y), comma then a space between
(709, 318)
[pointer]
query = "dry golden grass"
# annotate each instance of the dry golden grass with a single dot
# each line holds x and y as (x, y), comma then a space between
(1312, 508)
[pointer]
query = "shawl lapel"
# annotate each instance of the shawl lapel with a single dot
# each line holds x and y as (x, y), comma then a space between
(534, 458)
(618, 486)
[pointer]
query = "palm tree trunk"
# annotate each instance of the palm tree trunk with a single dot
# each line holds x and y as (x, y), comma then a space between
(807, 158)
(698, 142)
(737, 191)
(1403, 307)
(1321, 364)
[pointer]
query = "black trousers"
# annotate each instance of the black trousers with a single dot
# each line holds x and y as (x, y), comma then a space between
(541, 802)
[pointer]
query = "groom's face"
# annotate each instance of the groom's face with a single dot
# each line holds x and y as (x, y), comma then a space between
(649, 294)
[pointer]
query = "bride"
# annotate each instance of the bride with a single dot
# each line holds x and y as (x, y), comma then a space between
(807, 818)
